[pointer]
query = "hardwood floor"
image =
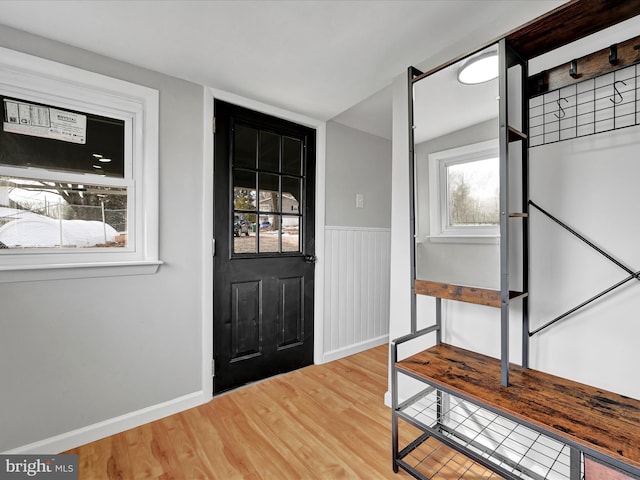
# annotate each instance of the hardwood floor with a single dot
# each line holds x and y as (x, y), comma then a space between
(321, 422)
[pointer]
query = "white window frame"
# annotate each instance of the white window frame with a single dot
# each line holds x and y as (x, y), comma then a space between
(43, 81)
(440, 230)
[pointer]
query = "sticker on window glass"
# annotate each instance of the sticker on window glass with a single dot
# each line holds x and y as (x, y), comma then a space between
(45, 122)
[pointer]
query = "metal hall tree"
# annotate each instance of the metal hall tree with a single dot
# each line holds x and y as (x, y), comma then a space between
(513, 420)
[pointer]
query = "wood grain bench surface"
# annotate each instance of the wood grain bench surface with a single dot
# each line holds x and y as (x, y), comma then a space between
(590, 417)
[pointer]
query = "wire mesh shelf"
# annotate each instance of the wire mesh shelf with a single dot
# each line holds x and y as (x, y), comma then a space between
(601, 104)
(511, 446)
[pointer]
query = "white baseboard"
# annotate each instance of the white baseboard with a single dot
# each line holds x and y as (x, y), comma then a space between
(91, 433)
(355, 348)
(387, 398)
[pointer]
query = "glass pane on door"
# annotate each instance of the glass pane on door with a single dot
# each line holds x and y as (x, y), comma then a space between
(291, 194)
(269, 234)
(291, 156)
(269, 192)
(244, 190)
(245, 146)
(269, 153)
(244, 237)
(291, 233)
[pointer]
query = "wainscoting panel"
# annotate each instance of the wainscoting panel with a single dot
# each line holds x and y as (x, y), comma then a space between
(356, 290)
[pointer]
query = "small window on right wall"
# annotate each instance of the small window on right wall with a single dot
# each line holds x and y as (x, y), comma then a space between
(464, 193)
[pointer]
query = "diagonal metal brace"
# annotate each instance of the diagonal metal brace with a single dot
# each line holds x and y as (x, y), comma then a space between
(631, 276)
(585, 240)
(585, 303)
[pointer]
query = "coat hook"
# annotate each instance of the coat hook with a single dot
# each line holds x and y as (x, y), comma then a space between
(618, 94)
(613, 54)
(560, 109)
(573, 70)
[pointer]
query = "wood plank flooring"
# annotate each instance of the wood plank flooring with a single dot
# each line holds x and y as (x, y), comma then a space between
(321, 422)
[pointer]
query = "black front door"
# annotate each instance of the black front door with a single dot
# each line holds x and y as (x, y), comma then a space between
(264, 183)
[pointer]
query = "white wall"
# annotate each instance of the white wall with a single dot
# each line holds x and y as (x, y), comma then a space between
(400, 290)
(356, 253)
(356, 301)
(591, 184)
(357, 163)
(75, 353)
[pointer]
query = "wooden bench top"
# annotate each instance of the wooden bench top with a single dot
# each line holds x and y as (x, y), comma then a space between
(462, 293)
(599, 420)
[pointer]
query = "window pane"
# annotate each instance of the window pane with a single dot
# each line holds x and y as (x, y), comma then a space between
(473, 191)
(244, 190)
(43, 136)
(291, 156)
(269, 234)
(269, 157)
(291, 191)
(245, 144)
(244, 198)
(244, 237)
(290, 234)
(269, 192)
(42, 214)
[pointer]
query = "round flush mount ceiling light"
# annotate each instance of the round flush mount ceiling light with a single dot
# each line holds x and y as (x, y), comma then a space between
(479, 69)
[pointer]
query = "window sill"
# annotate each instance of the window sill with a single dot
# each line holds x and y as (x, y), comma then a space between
(29, 273)
(469, 239)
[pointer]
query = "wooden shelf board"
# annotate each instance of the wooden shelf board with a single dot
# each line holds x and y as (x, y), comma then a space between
(589, 66)
(518, 215)
(569, 22)
(599, 420)
(480, 296)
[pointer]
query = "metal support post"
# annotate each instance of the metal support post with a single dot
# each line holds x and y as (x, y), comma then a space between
(524, 89)
(412, 209)
(575, 461)
(438, 320)
(504, 214)
(394, 405)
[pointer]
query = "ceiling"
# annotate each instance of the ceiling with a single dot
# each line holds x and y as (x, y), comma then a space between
(323, 59)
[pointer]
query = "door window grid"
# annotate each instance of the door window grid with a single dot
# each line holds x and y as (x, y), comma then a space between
(268, 187)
